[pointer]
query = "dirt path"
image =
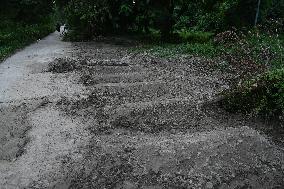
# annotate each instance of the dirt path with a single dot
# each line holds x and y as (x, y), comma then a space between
(32, 132)
(92, 115)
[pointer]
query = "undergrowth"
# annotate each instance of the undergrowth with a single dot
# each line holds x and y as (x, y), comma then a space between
(14, 36)
(261, 95)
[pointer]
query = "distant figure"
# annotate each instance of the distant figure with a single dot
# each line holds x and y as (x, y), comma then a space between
(58, 27)
(64, 28)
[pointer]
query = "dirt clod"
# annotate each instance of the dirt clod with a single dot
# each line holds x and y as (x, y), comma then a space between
(63, 65)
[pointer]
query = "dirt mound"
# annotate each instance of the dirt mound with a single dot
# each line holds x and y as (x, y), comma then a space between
(90, 78)
(231, 158)
(63, 65)
(152, 123)
(153, 117)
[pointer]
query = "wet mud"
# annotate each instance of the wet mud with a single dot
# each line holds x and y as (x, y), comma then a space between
(119, 120)
(156, 123)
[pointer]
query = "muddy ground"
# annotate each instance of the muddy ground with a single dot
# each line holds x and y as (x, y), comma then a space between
(97, 116)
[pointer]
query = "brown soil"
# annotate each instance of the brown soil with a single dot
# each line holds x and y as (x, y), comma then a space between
(93, 115)
(155, 123)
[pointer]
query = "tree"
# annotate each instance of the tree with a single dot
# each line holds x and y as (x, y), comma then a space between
(29, 11)
(257, 12)
(93, 17)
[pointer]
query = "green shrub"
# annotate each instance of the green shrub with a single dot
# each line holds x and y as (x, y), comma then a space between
(267, 49)
(88, 18)
(194, 36)
(172, 50)
(262, 96)
(27, 11)
(17, 35)
(248, 54)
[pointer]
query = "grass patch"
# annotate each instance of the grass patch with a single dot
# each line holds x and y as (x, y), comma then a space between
(194, 36)
(254, 47)
(268, 49)
(173, 50)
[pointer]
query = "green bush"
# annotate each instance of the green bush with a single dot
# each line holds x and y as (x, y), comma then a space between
(207, 50)
(17, 35)
(194, 36)
(27, 11)
(262, 96)
(88, 18)
(267, 49)
(220, 15)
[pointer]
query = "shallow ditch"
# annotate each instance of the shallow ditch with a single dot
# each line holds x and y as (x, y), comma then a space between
(14, 128)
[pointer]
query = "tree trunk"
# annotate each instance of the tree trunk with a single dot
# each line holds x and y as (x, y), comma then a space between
(257, 12)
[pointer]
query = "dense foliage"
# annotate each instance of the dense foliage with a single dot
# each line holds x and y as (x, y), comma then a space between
(22, 22)
(263, 95)
(14, 36)
(89, 18)
(28, 11)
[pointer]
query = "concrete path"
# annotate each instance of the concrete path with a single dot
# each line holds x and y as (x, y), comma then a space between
(32, 134)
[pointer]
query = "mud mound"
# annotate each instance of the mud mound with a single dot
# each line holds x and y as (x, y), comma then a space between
(63, 65)
(152, 117)
(115, 94)
(101, 70)
(160, 129)
(171, 115)
(149, 116)
(231, 158)
(108, 62)
(90, 78)
(108, 170)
